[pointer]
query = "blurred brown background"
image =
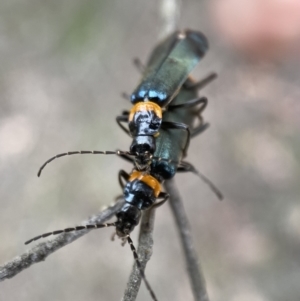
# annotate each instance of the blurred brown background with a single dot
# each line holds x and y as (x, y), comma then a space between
(63, 66)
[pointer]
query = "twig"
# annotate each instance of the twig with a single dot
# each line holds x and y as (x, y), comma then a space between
(39, 252)
(144, 253)
(169, 16)
(169, 13)
(193, 266)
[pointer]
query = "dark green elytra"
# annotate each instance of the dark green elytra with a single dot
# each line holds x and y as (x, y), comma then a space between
(171, 142)
(169, 66)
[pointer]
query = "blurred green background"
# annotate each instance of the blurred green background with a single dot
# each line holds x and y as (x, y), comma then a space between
(63, 67)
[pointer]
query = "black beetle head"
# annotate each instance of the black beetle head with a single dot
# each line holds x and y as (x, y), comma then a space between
(143, 144)
(127, 218)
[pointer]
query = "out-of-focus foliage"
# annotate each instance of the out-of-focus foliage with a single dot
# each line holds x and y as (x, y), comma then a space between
(63, 66)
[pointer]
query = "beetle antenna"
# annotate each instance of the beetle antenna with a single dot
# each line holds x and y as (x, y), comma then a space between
(138, 263)
(67, 230)
(119, 153)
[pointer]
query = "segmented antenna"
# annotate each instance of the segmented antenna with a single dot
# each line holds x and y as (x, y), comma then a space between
(67, 230)
(97, 226)
(138, 263)
(186, 165)
(119, 153)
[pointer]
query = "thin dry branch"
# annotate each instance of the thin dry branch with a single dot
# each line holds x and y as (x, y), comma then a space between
(146, 243)
(39, 252)
(144, 252)
(192, 263)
